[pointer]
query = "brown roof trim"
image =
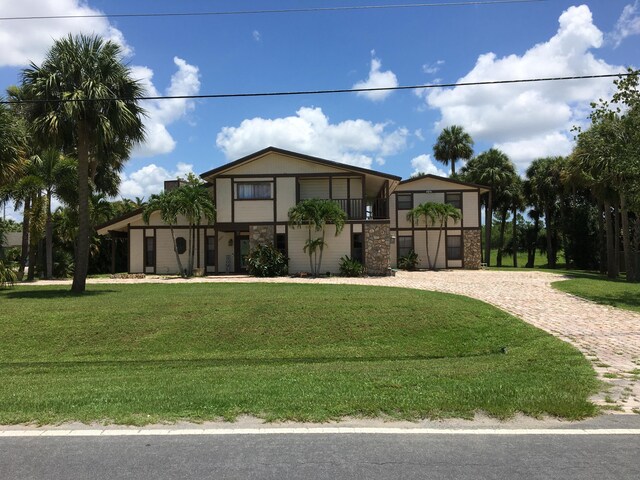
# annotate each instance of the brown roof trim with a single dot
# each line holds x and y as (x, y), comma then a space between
(446, 179)
(133, 213)
(310, 158)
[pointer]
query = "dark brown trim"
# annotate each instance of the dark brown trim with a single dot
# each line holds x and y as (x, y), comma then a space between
(444, 179)
(301, 156)
(233, 200)
(129, 248)
(275, 200)
(137, 211)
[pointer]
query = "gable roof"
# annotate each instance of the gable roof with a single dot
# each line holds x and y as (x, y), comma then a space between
(445, 179)
(309, 158)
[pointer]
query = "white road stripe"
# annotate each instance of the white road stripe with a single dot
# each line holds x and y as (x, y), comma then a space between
(52, 432)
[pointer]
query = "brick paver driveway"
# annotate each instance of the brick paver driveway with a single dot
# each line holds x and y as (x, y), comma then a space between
(609, 337)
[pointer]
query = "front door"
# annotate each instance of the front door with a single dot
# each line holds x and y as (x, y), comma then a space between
(242, 250)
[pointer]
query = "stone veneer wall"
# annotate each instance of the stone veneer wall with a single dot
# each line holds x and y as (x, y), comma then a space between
(472, 249)
(261, 235)
(376, 248)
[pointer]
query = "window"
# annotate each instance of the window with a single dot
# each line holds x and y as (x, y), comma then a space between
(356, 247)
(405, 245)
(181, 245)
(454, 247)
(453, 199)
(405, 201)
(210, 252)
(149, 251)
(253, 191)
(281, 243)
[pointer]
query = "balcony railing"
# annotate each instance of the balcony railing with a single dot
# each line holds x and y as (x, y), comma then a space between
(353, 207)
(356, 209)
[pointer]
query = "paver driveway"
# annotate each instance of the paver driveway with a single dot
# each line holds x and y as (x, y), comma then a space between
(609, 337)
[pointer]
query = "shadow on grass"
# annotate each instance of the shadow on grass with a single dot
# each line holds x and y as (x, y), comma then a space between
(238, 362)
(48, 294)
(620, 299)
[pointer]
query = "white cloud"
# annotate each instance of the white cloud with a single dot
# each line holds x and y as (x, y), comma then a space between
(627, 25)
(431, 68)
(150, 179)
(355, 142)
(186, 81)
(22, 41)
(256, 35)
(377, 79)
(519, 117)
(424, 164)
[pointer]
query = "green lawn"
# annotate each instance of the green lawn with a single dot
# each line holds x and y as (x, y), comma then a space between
(600, 289)
(147, 353)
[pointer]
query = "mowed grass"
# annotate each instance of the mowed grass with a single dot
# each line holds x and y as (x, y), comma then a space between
(152, 353)
(599, 289)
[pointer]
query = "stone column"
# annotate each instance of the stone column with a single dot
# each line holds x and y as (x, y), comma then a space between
(261, 235)
(377, 246)
(471, 246)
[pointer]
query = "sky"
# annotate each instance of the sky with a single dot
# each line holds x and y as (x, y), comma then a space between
(393, 132)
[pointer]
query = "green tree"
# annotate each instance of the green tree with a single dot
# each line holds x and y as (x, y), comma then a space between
(316, 214)
(495, 170)
(453, 143)
(87, 102)
(167, 203)
(435, 214)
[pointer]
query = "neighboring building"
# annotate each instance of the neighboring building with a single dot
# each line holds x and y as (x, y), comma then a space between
(253, 196)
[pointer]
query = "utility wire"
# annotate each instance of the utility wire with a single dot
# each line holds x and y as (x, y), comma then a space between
(274, 11)
(319, 92)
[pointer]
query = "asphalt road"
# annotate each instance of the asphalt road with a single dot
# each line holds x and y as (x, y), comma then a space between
(323, 456)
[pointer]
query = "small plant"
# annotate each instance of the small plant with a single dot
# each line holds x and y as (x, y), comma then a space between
(267, 261)
(7, 275)
(408, 261)
(350, 267)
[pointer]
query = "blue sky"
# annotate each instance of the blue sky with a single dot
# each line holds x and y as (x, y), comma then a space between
(323, 50)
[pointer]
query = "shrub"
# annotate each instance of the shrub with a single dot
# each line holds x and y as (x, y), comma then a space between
(408, 261)
(350, 267)
(266, 261)
(7, 275)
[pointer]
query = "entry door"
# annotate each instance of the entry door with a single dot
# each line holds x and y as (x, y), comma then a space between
(242, 250)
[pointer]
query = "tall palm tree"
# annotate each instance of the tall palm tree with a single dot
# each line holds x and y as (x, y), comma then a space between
(493, 169)
(435, 214)
(75, 88)
(453, 143)
(167, 204)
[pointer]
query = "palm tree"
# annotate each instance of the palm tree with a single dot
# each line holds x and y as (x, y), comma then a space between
(316, 214)
(436, 214)
(167, 204)
(453, 144)
(75, 88)
(493, 169)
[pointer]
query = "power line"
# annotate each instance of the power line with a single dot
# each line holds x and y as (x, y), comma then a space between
(274, 11)
(321, 92)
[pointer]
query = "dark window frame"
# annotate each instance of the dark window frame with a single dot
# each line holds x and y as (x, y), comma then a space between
(402, 205)
(454, 203)
(254, 192)
(181, 245)
(454, 252)
(357, 253)
(150, 254)
(281, 247)
(400, 247)
(210, 254)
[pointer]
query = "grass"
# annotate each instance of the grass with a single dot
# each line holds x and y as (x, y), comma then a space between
(150, 353)
(599, 289)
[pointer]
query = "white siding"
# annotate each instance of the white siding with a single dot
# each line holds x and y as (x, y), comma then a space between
(433, 184)
(420, 248)
(136, 256)
(470, 215)
(392, 211)
(165, 256)
(314, 188)
(402, 221)
(355, 187)
(455, 263)
(253, 211)
(274, 163)
(224, 250)
(223, 200)
(339, 188)
(285, 197)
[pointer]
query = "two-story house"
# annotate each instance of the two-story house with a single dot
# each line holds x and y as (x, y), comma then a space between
(253, 196)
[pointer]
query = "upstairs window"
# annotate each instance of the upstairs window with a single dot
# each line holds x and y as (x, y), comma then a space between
(453, 199)
(253, 191)
(404, 201)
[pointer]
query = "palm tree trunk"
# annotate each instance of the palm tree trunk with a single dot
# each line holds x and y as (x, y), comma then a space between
(503, 224)
(514, 239)
(321, 251)
(602, 238)
(611, 257)
(33, 254)
(616, 237)
(82, 250)
(435, 260)
(49, 240)
(551, 254)
(312, 271)
(24, 253)
(426, 241)
(626, 240)
(175, 250)
(488, 218)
